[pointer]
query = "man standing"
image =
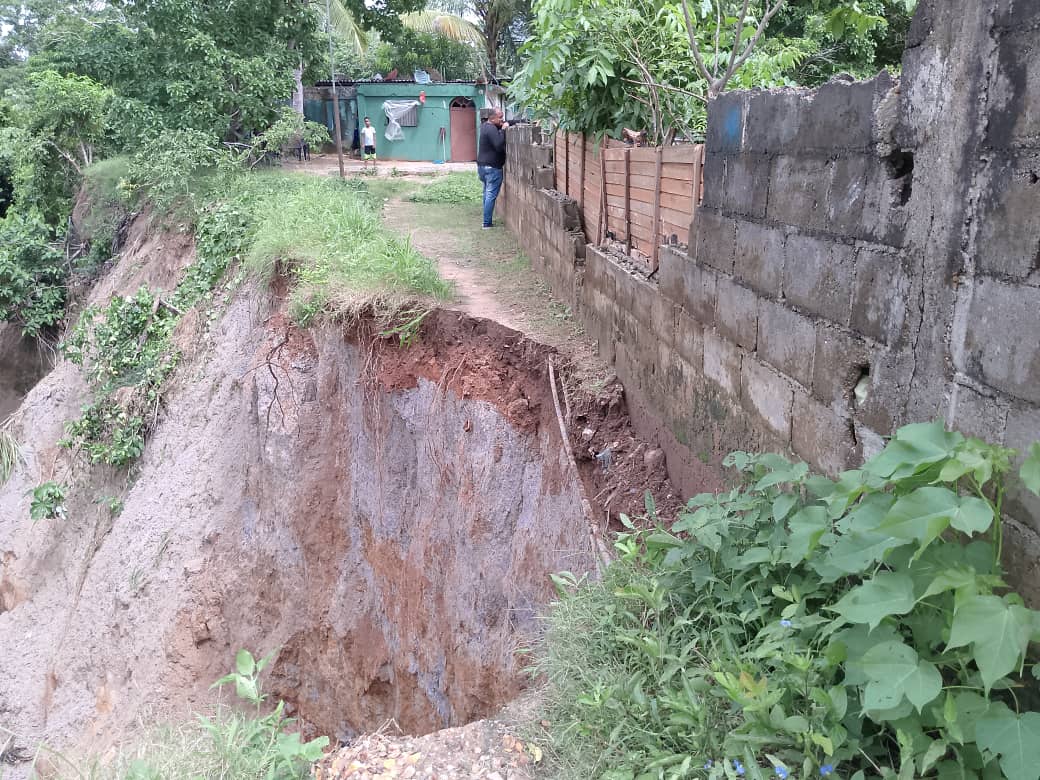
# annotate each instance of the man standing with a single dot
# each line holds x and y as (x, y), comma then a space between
(491, 158)
(368, 145)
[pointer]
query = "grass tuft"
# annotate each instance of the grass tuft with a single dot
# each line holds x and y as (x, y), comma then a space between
(9, 456)
(452, 188)
(331, 240)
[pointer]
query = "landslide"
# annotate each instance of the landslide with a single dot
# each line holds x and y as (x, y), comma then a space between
(382, 513)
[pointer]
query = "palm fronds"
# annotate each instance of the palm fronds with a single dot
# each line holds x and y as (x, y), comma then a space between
(447, 25)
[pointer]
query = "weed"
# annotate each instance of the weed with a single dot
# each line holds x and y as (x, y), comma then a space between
(9, 455)
(227, 744)
(802, 627)
(452, 188)
(112, 504)
(164, 544)
(48, 502)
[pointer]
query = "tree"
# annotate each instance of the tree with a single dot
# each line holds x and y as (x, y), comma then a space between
(599, 65)
(68, 114)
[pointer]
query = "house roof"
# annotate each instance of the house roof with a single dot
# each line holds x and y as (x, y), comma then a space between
(412, 82)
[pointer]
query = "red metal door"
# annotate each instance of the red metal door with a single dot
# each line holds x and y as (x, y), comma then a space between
(464, 134)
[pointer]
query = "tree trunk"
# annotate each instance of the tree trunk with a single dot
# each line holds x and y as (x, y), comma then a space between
(297, 98)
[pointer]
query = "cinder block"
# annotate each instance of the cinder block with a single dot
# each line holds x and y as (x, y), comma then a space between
(840, 361)
(849, 191)
(1016, 89)
(801, 191)
(722, 360)
(714, 180)
(842, 114)
(766, 393)
(1008, 242)
(822, 437)
(786, 340)
(671, 274)
(701, 285)
(746, 185)
(736, 313)
(689, 339)
(819, 276)
(662, 319)
(1002, 347)
(726, 117)
(879, 300)
(774, 119)
(716, 239)
(975, 414)
(759, 257)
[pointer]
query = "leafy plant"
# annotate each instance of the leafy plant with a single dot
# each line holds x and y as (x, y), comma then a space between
(860, 626)
(48, 502)
(289, 756)
(232, 744)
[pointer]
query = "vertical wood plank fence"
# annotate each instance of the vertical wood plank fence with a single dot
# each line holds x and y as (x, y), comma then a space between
(640, 196)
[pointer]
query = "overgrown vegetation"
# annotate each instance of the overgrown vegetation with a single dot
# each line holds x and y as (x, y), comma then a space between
(799, 627)
(453, 188)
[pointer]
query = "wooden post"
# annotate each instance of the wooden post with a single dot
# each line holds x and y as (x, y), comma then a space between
(628, 203)
(657, 211)
(698, 161)
(581, 179)
(567, 163)
(602, 193)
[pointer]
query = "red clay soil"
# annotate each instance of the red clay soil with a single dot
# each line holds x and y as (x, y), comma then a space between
(484, 360)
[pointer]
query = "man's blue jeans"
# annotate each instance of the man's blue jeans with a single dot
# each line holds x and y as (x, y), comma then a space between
(492, 180)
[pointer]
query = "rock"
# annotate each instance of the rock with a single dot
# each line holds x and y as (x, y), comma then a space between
(654, 459)
(517, 408)
(587, 434)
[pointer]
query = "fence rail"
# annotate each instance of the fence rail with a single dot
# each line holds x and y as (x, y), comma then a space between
(640, 196)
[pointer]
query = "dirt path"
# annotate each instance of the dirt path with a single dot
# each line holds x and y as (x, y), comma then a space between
(494, 278)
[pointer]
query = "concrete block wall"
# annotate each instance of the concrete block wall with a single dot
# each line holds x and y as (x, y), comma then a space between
(867, 255)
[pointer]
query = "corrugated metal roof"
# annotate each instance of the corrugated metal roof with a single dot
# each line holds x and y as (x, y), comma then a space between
(353, 82)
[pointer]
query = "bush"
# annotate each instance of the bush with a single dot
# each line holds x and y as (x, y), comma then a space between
(32, 274)
(858, 627)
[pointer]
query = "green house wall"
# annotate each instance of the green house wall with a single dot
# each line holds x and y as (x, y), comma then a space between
(420, 143)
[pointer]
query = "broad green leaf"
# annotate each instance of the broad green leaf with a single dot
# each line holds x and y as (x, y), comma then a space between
(807, 527)
(1016, 739)
(854, 553)
(783, 505)
(911, 449)
(955, 770)
(935, 751)
(244, 663)
(952, 579)
(889, 593)
(895, 671)
(998, 632)
(1030, 471)
(924, 514)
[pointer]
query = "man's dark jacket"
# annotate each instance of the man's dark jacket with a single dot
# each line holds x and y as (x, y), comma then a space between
(492, 150)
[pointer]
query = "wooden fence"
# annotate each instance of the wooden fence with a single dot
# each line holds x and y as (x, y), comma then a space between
(650, 197)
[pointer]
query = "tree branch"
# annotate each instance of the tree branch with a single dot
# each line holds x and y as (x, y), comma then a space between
(669, 88)
(71, 160)
(736, 64)
(718, 34)
(738, 31)
(694, 46)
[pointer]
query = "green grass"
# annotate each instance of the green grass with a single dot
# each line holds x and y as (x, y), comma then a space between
(9, 455)
(452, 188)
(329, 236)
